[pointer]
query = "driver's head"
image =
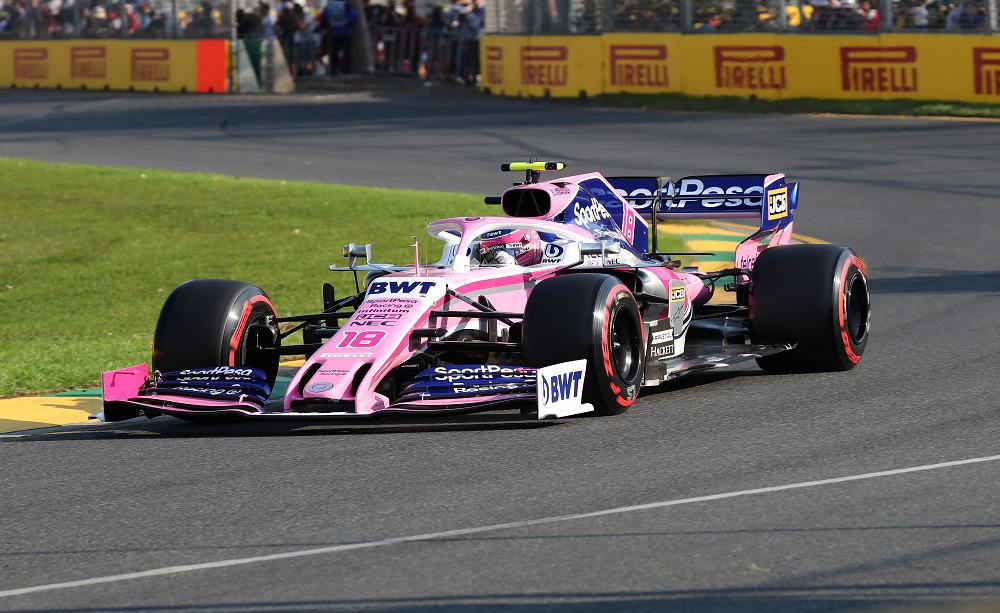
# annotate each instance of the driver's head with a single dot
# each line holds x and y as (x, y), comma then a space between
(510, 247)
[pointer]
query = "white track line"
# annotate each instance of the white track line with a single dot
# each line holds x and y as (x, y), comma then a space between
(186, 568)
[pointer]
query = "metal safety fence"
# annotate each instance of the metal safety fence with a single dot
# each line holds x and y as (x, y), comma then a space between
(426, 53)
(722, 16)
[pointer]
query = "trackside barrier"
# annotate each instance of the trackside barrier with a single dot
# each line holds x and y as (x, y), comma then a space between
(143, 65)
(886, 66)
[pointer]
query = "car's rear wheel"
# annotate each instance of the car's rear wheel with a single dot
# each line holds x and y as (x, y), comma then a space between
(815, 296)
(593, 317)
(214, 322)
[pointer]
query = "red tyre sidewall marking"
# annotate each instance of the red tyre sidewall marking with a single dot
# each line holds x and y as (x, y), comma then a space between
(606, 343)
(234, 341)
(842, 310)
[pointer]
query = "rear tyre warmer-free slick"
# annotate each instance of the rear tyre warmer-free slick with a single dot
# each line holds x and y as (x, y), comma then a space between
(815, 296)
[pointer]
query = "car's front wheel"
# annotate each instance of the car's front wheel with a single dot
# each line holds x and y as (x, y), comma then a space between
(593, 317)
(214, 322)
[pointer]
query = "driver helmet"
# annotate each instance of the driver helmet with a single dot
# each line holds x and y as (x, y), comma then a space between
(510, 247)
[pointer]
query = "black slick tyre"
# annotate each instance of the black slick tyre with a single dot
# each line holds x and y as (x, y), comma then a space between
(593, 317)
(212, 322)
(815, 296)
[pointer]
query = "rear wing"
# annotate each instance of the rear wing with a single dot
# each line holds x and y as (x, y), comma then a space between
(767, 198)
(713, 197)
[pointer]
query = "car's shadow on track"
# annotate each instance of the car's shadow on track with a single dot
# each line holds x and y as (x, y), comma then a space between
(170, 427)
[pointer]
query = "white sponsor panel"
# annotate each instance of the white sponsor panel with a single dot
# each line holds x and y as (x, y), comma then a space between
(560, 390)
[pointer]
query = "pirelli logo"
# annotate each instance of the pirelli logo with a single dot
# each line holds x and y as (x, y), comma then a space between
(547, 65)
(750, 67)
(639, 65)
(31, 64)
(494, 65)
(88, 62)
(986, 70)
(151, 64)
(878, 69)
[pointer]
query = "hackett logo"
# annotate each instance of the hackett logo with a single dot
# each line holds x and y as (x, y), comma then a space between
(88, 63)
(639, 65)
(986, 68)
(494, 65)
(151, 64)
(750, 67)
(878, 69)
(544, 65)
(31, 64)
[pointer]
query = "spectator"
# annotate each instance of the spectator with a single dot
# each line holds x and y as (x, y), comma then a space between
(921, 16)
(869, 16)
(338, 20)
(266, 22)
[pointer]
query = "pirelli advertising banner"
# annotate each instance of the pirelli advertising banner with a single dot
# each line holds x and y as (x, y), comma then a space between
(922, 66)
(145, 65)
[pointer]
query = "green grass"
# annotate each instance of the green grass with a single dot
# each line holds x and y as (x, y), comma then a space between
(88, 254)
(738, 104)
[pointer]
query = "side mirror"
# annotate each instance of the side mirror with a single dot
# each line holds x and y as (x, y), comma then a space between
(600, 248)
(352, 252)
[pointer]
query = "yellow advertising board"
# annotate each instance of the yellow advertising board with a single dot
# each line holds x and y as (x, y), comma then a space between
(145, 65)
(885, 66)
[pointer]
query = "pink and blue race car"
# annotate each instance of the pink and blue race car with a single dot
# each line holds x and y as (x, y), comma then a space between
(564, 304)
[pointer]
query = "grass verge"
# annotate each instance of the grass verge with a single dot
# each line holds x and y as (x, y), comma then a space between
(89, 253)
(739, 104)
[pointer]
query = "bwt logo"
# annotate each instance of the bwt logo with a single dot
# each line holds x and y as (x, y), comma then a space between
(639, 65)
(494, 65)
(878, 69)
(561, 387)
(986, 66)
(400, 287)
(544, 65)
(88, 63)
(31, 64)
(151, 64)
(750, 67)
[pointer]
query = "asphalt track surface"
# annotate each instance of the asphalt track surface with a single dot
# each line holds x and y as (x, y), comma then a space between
(917, 198)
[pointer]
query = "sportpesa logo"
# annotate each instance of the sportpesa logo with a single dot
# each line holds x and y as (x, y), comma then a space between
(590, 213)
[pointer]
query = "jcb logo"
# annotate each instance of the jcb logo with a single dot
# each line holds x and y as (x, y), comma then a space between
(777, 203)
(31, 64)
(878, 69)
(677, 294)
(544, 65)
(88, 63)
(151, 64)
(639, 65)
(750, 67)
(986, 68)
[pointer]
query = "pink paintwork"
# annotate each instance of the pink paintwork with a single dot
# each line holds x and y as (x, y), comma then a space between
(343, 376)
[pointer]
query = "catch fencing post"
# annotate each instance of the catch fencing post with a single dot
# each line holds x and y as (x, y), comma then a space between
(782, 15)
(687, 16)
(886, 16)
(992, 18)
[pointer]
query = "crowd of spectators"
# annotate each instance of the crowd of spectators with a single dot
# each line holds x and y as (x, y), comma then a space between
(111, 19)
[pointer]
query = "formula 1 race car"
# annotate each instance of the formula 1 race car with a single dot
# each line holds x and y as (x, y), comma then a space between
(563, 305)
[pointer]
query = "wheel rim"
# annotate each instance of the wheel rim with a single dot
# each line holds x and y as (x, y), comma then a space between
(857, 306)
(625, 345)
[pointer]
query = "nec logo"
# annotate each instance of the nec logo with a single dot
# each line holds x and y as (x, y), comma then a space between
(986, 68)
(400, 287)
(31, 64)
(88, 63)
(639, 65)
(878, 69)
(750, 67)
(544, 65)
(151, 64)
(494, 65)
(562, 386)
(777, 203)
